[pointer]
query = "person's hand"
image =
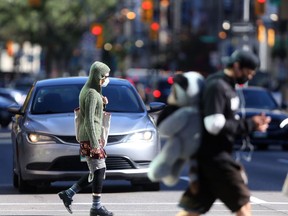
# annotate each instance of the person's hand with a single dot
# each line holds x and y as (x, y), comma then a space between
(105, 100)
(98, 153)
(261, 121)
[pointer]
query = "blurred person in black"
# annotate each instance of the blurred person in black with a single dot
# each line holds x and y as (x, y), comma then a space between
(220, 176)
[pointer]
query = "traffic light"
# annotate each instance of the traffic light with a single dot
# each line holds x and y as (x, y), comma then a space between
(9, 48)
(271, 37)
(97, 30)
(154, 30)
(260, 7)
(147, 8)
(34, 3)
(261, 35)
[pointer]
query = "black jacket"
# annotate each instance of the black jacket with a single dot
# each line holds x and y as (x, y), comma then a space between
(220, 97)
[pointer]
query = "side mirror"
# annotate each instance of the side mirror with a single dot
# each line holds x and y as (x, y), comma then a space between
(15, 109)
(156, 106)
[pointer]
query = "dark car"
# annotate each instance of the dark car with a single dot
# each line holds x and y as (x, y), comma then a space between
(257, 100)
(5, 116)
(162, 89)
(43, 134)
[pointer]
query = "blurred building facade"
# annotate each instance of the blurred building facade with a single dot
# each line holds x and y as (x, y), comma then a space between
(173, 35)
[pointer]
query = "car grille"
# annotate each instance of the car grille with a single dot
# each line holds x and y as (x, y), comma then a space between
(73, 163)
(72, 139)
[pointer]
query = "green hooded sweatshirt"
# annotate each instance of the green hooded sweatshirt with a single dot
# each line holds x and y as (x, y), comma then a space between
(91, 105)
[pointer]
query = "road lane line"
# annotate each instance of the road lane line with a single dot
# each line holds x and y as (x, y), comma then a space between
(257, 201)
(5, 135)
(254, 200)
(5, 141)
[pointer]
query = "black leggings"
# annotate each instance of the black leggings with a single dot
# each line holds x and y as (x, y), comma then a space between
(97, 183)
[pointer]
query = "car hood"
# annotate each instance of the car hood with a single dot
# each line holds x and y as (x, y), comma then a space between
(63, 124)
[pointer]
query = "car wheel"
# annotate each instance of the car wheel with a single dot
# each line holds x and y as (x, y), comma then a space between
(15, 180)
(25, 186)
(147, 185)
(262, 146)
(151, 187)
(285, 147)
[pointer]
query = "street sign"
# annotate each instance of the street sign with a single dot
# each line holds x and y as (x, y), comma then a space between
(242, 27)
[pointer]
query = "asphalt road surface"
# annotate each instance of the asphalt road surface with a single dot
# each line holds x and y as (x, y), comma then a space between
(266, 172)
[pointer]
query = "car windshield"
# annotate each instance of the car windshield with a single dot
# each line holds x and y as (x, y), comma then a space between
(257, 99)
(65, 98)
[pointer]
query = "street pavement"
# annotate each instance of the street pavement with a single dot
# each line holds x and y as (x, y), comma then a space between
(162, 203)
(125, 201)
(5, 137)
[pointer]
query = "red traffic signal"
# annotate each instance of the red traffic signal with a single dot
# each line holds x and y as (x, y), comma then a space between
(147, 9)
(154, 26)
(260, 7)
(147, 5)
(154, 29)
(96, 29)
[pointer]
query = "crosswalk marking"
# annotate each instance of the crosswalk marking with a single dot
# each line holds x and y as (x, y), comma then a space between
(5, 138)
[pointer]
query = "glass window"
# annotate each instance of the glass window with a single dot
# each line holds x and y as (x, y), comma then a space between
(56, 99)
(122, 99)
(258, 99)
(64, 99)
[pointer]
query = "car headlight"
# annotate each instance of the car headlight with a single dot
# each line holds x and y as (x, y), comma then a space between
(39, 138)
(143, 135)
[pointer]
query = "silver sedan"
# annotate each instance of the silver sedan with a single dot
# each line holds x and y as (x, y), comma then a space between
(43, 134)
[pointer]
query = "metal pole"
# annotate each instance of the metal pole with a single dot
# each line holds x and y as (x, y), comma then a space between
(246, 11)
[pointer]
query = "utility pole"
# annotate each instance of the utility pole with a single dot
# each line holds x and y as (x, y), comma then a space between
(246, 19)
(246, 11)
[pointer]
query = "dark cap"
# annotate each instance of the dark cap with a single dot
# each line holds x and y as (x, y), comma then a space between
(246, 59)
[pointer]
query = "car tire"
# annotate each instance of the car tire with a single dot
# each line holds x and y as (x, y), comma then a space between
(285, 147)
(25, 186)
(151, 187)
(15, 180)
(147, 185)
(262, 146)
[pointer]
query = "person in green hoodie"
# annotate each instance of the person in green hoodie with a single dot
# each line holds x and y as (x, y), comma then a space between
(91, 103)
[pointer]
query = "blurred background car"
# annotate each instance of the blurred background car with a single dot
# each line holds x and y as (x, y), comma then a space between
(43, 135)
(17, 96)
(23, 84)
(5, 116)
(161, 88)
(257, 100)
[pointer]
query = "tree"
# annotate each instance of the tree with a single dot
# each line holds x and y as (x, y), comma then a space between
(55, 25)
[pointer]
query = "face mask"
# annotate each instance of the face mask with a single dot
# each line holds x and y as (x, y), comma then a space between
(241, 80)
(105, 83)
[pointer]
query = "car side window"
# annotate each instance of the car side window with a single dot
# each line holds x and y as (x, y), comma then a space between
(259, 99)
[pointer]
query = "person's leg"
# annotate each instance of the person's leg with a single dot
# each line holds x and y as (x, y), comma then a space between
(67, 195)
(230, 186)
(97, 185)
(245, 210)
